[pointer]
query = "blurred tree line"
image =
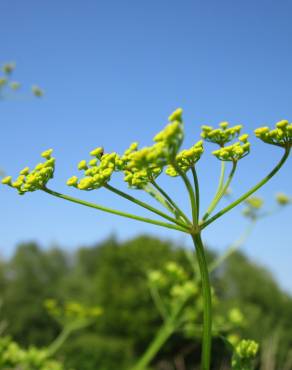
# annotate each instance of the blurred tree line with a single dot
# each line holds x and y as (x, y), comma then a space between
(113, 275)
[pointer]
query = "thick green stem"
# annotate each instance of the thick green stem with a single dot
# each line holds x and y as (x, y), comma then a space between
(142, 204)
(250, 192)
(207, 303)
(113, 211)
(167, 197)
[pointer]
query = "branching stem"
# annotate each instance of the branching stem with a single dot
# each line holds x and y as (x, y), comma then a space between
(220, 192)
(171, 201)
(142, 204)
(115, 212)
(251, 191)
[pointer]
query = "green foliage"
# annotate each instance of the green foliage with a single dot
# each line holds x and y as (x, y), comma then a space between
(90, 351)
(114, 275)
(13, 357)
(30, 277)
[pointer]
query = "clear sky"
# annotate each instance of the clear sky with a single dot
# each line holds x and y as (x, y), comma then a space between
(113, 71)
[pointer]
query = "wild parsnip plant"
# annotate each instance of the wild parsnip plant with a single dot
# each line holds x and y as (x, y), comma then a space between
(141, 169)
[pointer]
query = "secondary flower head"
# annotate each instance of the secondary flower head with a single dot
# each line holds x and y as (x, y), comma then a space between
(37, 91)
(222, 135)
(3, 81)
(186, 159)
(281, 135)
(15, 85)
(141, 166)
(255, 202)
(97, 171)
(253, 207)
(244, 353)
(8, 68)
(171, 137)
(35, 179)
(233, 152)
(283, 199)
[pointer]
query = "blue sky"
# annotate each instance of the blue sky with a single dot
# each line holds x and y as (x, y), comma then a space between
(113, 71)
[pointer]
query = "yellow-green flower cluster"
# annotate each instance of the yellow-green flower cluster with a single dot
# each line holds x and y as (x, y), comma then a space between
(221, 135)
(244, 353)
(236, 317)
(37, 91)
(8, 68)
(253, 207)
(283, 199)
(12, 356)
(225, 134)
(171, 137)
(255, 202)
(36, 179)
(71, 311)
(281, 135)
(186, 159)
(5, 80)
(97, 171)
(140, 166)
(173, 284)
(233, 152)
(7, 84)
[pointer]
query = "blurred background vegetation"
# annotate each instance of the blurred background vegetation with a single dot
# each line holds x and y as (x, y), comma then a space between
(113, 275)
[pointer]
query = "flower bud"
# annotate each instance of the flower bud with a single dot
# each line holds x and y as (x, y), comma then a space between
(7, 180)
(73, 181)
(47, 153)
(82, 165)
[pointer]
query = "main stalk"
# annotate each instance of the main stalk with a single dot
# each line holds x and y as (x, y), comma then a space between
(207, 302)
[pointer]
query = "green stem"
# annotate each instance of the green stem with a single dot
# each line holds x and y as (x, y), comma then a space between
(175, 206)
(115, 212)
(219, 187)
(220, 193)
(59, 341)
(207, 302)
(222, 175)
(197, 191)
(142, 204)
(190, 191)
(158, 302)
(164, 333)
(157, 196)
(250, 192)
